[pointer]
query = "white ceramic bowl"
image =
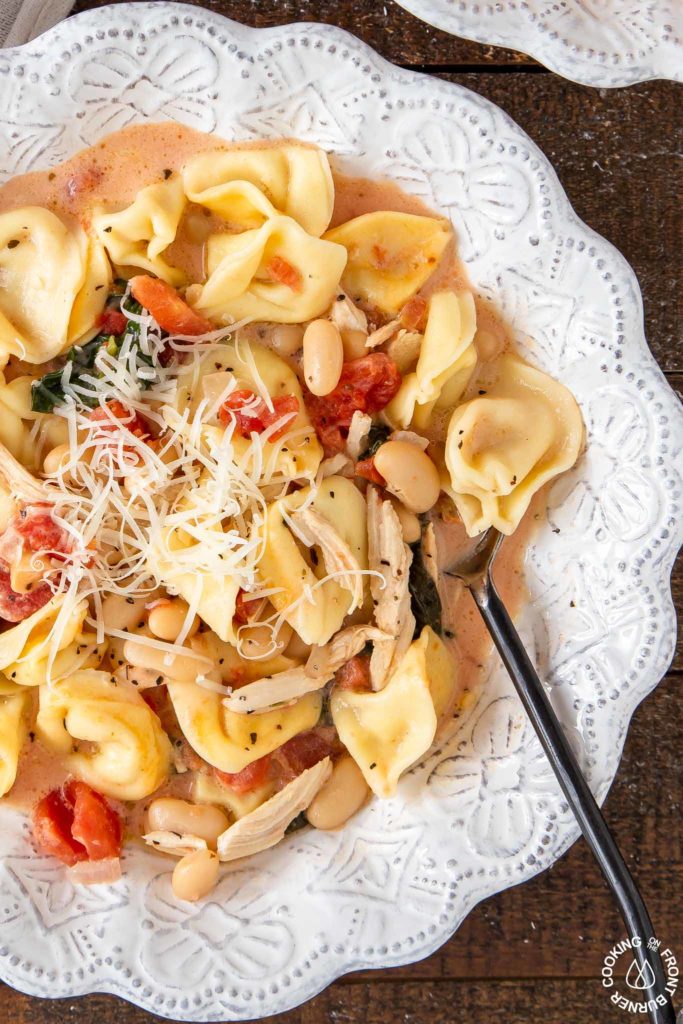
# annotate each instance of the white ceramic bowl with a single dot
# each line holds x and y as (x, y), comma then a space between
(604, 43)
(482, 812)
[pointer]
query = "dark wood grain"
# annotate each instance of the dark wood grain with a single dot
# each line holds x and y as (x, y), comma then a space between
(532, 954)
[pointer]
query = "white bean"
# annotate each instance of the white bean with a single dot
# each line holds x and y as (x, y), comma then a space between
(323, 356)
(410, 524)
(287, 339)
(167, 616)
(195, 875)
(182, 667)
(353, 341)
(168, 814)
(343, 794)
(55, 458)
(410, 474)
(119, 612)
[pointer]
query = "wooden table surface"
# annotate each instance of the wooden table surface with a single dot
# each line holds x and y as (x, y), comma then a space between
(531, 955)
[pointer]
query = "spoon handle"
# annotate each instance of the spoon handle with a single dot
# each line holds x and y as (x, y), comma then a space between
(578, 794)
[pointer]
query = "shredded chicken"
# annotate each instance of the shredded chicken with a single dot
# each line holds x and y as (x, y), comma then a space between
(336, 465)
(382, 334)
(389, 555)
(359, 429)
(271, 691)
(174, 843)
(324, 661)
(265, 826)
(404, 349)
(346, 315)
(411, 437)
(336, 553)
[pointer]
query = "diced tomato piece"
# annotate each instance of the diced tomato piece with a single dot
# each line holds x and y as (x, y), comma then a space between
(242, 602)
(113, 415)
(52, 821)
(366, 469)
(366, 385)
(33, 529)
(168, 309)
(96, 825)
(75, 823)
(303, 751)
(413, 314)
(355, 674)
(112, 321)
(15, 607)
(252, 415)
(253, 776)
(284, 273)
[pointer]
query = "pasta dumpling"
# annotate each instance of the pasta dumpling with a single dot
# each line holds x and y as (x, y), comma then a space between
(505, 444)
(28, 642)
(138, 235)
(316, 611)
(247, 186)
(388, 730)
(391, 255)
(41, 272)
(445, 364)
(129, 753)
(14, 708)
(276, 272)
(83, 652)
(90, 300)
(230, 741)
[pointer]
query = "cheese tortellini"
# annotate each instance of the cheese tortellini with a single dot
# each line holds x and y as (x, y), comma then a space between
(126, 753)
(391, 255)
(387, 731)
(315, 610)
(41, 272)
(231, 741)
(445, 364)
(246, 186)
(523, 429)
(25, 647)
(90, 300)
(138, 235)
(276, 272)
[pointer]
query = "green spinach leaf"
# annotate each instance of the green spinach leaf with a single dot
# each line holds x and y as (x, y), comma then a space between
(425, 600)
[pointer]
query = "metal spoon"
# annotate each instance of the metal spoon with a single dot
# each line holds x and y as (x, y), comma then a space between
(475, 571)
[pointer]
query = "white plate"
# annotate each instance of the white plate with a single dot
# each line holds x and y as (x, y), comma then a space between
(604, 43)
(482, 812)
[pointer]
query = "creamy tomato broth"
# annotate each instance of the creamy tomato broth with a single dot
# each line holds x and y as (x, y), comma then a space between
(112, 173)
